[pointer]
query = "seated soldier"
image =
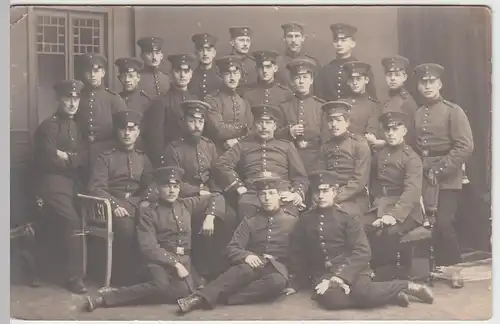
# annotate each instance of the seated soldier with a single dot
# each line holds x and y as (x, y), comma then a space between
(396, 188)
(58, 156)
(260, 152)
(164, 235)
(123, 175)
(259, 254)
(331, 248)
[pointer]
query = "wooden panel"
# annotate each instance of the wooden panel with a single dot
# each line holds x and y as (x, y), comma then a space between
(20, 147)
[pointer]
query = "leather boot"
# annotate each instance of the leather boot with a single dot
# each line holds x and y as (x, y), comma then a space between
(421, 292)
(93, 303)
(457, 281)
(189, 303)
(402, 299)
(76, 286)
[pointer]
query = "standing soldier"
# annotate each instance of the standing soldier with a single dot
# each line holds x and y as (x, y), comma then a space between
(230, 116)
(331, 247)
(260, 152)
(163, 119)
(331, 81)
(206, 79)
(303, 122)
(123, 176)
(444, 142)
(267, 90)
(153, 81)
(58, 157)
(96, 109)
(259, 252)
(348, 156)
(164, 235)
(293, 36)
(129, 75)
(240, 43)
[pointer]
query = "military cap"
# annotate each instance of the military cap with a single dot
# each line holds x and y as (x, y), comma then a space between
(357, 68)
(228, 63)
(68, 88)
(240, 31)
(428, 71)
(302, 65)
(126, 118)
(168, 174)
(201, 40)
(150, 44)
(178, 60)
(395, 63)
(262, 56)
(321, 178)
(393, 118)
(266, 111)
(267, 180)
(128, 64)
(194, 108)
(332, 108)
(292, 27)
(342, 30)
(90, 60)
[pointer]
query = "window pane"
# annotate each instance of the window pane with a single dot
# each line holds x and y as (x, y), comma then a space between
(86, 36)
(50, 34)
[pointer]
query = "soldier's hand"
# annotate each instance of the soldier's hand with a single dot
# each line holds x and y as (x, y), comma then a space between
(432, 177)
(289, 291)
(370, 138)
(62, 155)
(322, 287)
(377, 223)
(205, 193)
(254, 261)
(241, 190)
(182, 272)
(121, 212)
(388, 220)
(208, 225)
(336, 281)
(296, 130)
(294, 197)
(231, 142)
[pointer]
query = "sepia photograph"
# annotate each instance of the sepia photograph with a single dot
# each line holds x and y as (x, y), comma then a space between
(250, 162)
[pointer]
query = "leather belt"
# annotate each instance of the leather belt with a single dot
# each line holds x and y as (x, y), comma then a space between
(431, 153)
(307, 144)
(179, 250)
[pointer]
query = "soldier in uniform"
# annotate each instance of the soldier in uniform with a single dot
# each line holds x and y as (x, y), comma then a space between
(240, 42)
(259, 252)
(348, 156)
(58, 156)
(230, 116)
(396, 188)
(123, 176)
(303, 122)
(153, 80)
(267, 90)
(129, 75)
(444, 142)
(331, 247)
(331, 80)
(163, 119)
(196, 154)
(164, 235)
(294, 37)
(260, 152)
(96, 109)
(206, 79)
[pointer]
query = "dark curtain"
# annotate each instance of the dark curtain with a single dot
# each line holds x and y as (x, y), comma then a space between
(459, 38)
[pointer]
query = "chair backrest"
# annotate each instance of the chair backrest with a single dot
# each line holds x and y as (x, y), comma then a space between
(95, 210)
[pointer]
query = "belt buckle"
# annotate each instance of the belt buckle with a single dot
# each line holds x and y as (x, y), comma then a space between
(91, 138)
(303, 144)
(425, 153)
(328, 264)
(127, 195)
(179, 250)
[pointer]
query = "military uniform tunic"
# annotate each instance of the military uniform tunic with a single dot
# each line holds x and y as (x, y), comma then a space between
(401, 100)
(136, 100)
(271, 93)
(154, 82)
(205, 82)
(364, 114)
(248, 72)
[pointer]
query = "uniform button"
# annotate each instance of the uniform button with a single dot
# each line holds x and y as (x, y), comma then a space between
(321, 237)
(321, 229)
(269, 230)
(322, 216)
(268, 237)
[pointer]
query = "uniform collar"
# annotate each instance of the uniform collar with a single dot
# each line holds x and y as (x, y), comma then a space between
(64, 116)
(341, 138)
(396, 92)
(294, 54)
(89, 88)
(326, 211)
(202, 67)
(125, 93)
(303, 97)
(394, 148)
(190, 139)
(359, 95)
(174, 88)
(433, 101)
(271, 213)
(227, 90)
(344, 60)
(120, 147)
(148, 68)
(266, 85)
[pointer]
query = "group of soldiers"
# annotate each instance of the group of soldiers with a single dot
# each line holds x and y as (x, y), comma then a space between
(241, 178)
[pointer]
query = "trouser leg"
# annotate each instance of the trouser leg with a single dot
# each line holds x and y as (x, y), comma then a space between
(366, 293)
(125, 250)
(444, 235)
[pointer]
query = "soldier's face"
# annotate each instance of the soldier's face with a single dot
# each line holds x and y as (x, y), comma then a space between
(338, 124)
(128, 135)
(265, 128)
(294, 41)
(323, 196)
(270, 199)
(182, 76)
(241, 44)
(395, 79)
(232, 78)
(395, 135)
(152, 59)
(343, 45)
(129, 80)
(169, 192)
(69, 105)
(206, 54)
(430, 89)
(94, 76)
(195, 125)
(303, 82)
(266, 71)
(358, 83)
